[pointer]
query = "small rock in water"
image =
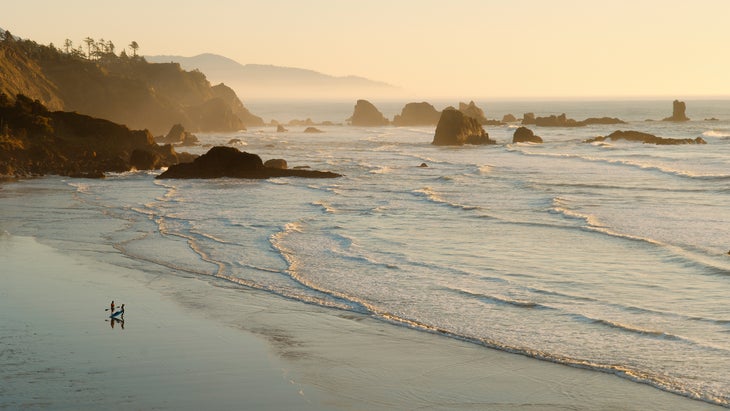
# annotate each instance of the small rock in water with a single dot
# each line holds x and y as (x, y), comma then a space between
(423, 165)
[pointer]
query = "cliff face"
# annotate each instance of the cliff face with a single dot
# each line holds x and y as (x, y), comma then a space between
(125, 90)
(36, 141)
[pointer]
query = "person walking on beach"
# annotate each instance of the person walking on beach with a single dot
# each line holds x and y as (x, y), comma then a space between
(111, 309)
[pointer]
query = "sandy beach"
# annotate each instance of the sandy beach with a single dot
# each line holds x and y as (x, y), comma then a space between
(194, 343)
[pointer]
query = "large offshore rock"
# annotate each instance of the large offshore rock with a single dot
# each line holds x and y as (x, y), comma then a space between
(455, 129)
(366, 115)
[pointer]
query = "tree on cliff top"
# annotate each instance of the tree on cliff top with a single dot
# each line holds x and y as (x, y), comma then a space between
(134, 46)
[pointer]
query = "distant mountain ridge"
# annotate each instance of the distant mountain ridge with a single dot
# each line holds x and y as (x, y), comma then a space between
(261, 80)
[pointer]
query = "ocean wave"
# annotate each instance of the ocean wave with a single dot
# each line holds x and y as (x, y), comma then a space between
(381, 170)
(502, 300)
(560, 206)
(485, 169)
(592, 223)
(630, 328)
(82, 188)
(433, 196)
(662, 382)
(633, 164)
(294, 270)
(325, 206)
(717, 133)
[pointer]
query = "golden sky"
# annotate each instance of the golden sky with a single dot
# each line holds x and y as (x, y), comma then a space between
(474, 48)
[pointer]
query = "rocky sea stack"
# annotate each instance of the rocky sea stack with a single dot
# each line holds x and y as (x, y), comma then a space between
(417, 114)
(678, 112)
(456, 129)
(473, 111)
(366, 115)
(229, 162)
(179, 136)
(525, 135)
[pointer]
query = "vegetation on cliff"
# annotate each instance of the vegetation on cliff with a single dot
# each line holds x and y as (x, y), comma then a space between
(94, 80)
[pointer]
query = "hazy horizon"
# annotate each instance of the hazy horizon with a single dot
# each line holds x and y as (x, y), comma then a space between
(468, 49)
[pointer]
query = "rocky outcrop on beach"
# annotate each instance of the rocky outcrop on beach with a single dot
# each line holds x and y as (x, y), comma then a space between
(678, 112)
(525, 135)
(366, 114)
(178, 136)
(563, 121)
(456, 129)
(229, 162)
(35, 141)
(417, 114)
(646, 138)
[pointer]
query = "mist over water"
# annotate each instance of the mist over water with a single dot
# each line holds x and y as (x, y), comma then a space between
(610, 256)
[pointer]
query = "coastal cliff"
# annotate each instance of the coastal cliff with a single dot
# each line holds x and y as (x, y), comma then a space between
(123, 89)
(36, 141)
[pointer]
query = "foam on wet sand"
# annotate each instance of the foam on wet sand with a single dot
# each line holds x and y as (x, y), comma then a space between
(199, 343)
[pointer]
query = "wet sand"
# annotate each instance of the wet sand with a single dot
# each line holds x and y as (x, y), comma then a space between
(198, 343)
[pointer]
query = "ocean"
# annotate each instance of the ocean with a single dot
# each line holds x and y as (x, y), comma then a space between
(608, 256)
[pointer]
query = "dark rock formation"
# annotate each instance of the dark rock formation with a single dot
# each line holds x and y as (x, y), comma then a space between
(214, 115)
(229, 162)
(456, 129)
(423, 165)
(178, 135)
(417, 114)
(473, 111)
(525, 135)
(563, 121)
(295, 122)
(556, 121)
(281, 129)
(509, 118)
(678, 112)
(276, 163)
(144, 160)
(229, 96)
(313, 130)
(602, 120)
(36, 141)
(646, 138)
(366, 115)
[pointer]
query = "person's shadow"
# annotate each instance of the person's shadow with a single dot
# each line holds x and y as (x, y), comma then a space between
(116, 320)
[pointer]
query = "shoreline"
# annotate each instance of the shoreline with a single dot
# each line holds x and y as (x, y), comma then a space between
(192, 342)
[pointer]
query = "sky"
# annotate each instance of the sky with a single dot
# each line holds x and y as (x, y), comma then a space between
(456, 48)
